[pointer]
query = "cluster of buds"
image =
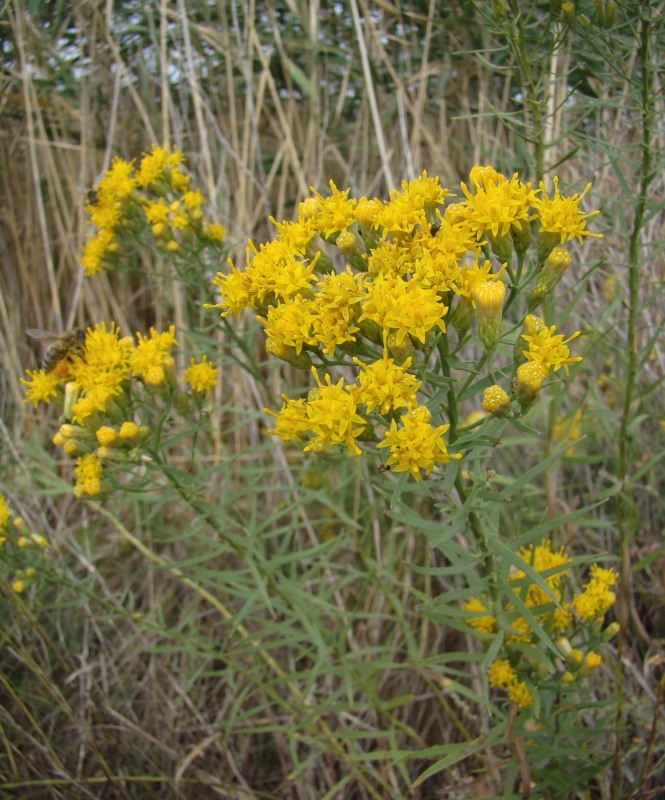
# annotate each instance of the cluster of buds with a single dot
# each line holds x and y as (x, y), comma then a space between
(21, 551)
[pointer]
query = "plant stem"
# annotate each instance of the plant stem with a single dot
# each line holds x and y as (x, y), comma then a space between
(626, 519)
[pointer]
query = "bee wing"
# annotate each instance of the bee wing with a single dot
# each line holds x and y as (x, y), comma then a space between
(41, 335)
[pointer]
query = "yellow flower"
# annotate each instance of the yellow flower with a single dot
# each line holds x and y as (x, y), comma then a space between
(497, 203)
(88, 472)
(102, 368)
(106, 435)
(529, 379)
(201, 376)
(290, 323)
(416, 444)
(520, 694)
(597, 596)
(592, 660)
(156, 211)
(192, 199)
(236, 290)
(501, 673)
(480, 620)
(151, 358)
(404, 307)
(476, 273)
(129, 431)
(496, 401)
(4, 512)
(332, 417)
(214, 231)
(292, 421)
(550, 349)
(296, 235)
(41, 386)
(153, 165)
(561, 216)
(118, 182)
(96, 249)
(334, 213)
(385, 385)
(410, 207)
(337, 298)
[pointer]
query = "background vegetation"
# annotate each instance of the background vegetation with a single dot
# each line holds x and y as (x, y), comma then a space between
(163, 654)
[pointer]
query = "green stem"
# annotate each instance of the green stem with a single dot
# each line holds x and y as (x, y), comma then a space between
(474, 520)
(626, 520)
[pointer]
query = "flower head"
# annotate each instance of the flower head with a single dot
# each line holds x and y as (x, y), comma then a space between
(201, 375)
(385, 385)
(416, 444)
(41, 386)
(561, 215)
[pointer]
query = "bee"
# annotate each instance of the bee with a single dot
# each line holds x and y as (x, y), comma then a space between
(384, 468)
(61, 347)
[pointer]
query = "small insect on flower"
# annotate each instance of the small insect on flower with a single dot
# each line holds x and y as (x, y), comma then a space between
(61, 347)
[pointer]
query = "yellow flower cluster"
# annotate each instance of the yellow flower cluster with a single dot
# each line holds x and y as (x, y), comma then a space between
(102, 385)
(562, 619)
(377, 285)
(20, 551)
(154, 198)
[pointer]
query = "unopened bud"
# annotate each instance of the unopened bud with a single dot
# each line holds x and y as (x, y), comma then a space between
(521, 233)
(502, 246)
(488, 298)
(556, 263)
(289, 354)
(462, 316)
(529, 379)
(496, 401)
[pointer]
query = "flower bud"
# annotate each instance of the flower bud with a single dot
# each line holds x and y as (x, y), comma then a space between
(529, 379)
(289, 354)
(556, 263)
(488, 298)
(462, 316)
(400, 352)
(106, 435)
(611, 631)
(502, 246)
(521, 233)
(545, 243)
(496, 401)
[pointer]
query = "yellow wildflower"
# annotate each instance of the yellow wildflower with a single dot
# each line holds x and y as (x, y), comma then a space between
(478, 616)
(501, 673)
(385, 385)
(201, 375)
(561, 216)
(416, 444)
(41, 386)
(520, 694)
(88, 476)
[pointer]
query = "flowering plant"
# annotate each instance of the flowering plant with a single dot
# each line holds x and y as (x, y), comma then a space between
(416, 318)
(390, 291)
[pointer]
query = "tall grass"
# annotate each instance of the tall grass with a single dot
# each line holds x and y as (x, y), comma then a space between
(284, 633)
